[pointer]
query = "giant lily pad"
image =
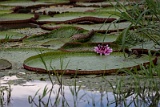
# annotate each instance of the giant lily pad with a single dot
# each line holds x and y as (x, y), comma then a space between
(100, 38)
(30, 3)
(14, 17)
(83, 47)
(63, 9)
(100, 4)
(30, 31)
(5, 64)
(11, 36)
(17, 55)
(84, 63)
(79, 16)
(96, 27)
(5, 12)
(55, 43)
(63, 33)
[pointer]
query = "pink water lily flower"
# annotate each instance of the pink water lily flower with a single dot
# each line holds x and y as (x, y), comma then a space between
(103, 49)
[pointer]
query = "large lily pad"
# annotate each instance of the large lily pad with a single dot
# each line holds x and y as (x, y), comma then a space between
(83, 63)
(11, 36)
(30, 3)
(17, 55)
(55, 43)
(100, 38)
(63, 9)
(84, 47)
(30, 31)
(100, 4)
(14, 17)
(63, 17)
(5, 64)
(5, 12)
(63, 33)
(96, 27)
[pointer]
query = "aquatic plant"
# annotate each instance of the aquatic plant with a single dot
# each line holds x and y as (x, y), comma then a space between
(103, 49)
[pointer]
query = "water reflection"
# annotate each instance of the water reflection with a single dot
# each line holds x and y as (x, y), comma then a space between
(63, 96)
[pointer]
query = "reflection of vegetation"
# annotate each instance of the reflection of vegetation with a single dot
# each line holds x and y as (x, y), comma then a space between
(5, 90)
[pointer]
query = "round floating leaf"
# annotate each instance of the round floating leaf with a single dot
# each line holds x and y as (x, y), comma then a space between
(96, 27)
(5, 64)
(100, 38)
(12, 17)
(83, 47)
(5, 12)
(30, 31)
(60, 33)
(100, 4)
(30, 3)
(56, 43)
(18, 55)
(83, 63)
(75, 15)
(63, 9)
(9, 35)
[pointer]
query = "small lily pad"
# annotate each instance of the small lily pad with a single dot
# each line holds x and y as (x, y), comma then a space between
(5, 64)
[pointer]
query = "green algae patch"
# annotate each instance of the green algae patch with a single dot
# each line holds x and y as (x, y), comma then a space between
(84, 63)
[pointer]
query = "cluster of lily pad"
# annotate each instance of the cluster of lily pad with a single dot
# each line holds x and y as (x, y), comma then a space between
(95, 30)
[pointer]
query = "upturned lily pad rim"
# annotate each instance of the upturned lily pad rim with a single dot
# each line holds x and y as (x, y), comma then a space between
(78, 72)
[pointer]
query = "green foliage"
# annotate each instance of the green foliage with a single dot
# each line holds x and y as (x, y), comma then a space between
(145, 19)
